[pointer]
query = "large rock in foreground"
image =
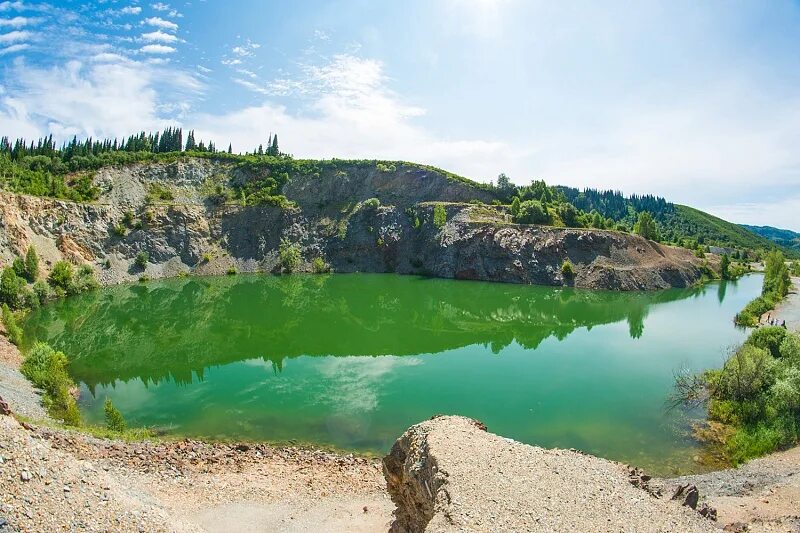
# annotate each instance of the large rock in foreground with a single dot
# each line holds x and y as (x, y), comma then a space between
(450, 474)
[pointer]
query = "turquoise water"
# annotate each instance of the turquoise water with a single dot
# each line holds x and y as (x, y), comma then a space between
(352, 360)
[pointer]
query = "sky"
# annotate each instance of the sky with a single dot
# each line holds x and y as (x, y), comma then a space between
(698, 102)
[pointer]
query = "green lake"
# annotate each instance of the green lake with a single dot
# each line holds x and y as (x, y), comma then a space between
(352, 360)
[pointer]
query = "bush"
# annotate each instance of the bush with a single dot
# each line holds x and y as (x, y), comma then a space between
(141, 259)
(47, 370)
(114, 419)
(127, 218)
(790, 349)
(748, 442)
(62, 276)
(41, 290)
(231, 271)
(768, 338)
(13, 331)
(119, 230)
(319, 266)
(288, 255)
(372, 203)
(159, 193)
(567, 270)
(439, 215)
(515, 207)
(532, 212)
(746, 375)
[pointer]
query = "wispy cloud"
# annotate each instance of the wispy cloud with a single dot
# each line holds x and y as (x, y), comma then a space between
(131, 10)
(159, 6)
(157, 49)
(246, 49)
(15, 36)
(14, 48)
(16, 6)
(158, 22)
(19, 22)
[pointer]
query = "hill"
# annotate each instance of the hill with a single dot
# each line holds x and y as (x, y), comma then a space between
(782, 237)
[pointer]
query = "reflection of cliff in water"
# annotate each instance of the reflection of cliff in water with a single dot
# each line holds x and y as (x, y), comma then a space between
(173, 328)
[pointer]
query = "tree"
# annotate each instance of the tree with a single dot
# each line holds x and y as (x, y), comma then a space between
(776, 274)
(439, 215)
(10, 287)
(504, 183)
(515, 207)
(568, 214)
(32, 264)
(646, 226)
(724, 264)
(114, 419)
(273, 147)
(532, 212)
(289, 255)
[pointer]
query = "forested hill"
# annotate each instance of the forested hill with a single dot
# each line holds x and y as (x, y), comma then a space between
(783, 237)
(678, 224)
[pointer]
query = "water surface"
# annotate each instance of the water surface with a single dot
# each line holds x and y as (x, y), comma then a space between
(352, 360)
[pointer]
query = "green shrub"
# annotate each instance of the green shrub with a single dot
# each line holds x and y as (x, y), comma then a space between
(13, 331)
(515, 207)
(119, 230)
(141, 259)
(790, 349)
(18, 265)
(383, 167)
(768, 338)
(47, 370)
(41, 290)
(319, 266)
(159, 193)
(127, 218)
(62, 276)
(746, 375)
(231, 271)
(288, 255)
(748, 442)
(567, 270)
(439, 215)
(114, 419)
(372, 203)
(532, 212)
(207, 258)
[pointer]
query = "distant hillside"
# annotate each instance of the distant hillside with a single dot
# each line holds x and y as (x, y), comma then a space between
(782, 237)
(678, 224)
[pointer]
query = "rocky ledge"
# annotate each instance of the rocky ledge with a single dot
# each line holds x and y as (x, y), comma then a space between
(450, 474)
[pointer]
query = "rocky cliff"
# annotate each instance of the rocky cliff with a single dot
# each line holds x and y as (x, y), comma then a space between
(330, 219)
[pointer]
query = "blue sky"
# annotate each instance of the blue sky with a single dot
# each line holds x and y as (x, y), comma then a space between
(695, 101)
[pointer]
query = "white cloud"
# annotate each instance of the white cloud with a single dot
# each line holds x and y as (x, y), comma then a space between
(19, 22)
(159, 36)
(14, 36)
(160, 6)
(245, 50)
(17, 6)
(158, 22)
(203, 69)
(349, 112)
(14, 48)
(231, 62)
(157, 49)
(131, 10)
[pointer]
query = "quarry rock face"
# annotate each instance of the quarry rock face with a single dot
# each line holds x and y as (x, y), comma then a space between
(331, 220)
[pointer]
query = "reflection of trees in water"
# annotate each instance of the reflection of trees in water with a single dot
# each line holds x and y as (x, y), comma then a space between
(177, 328)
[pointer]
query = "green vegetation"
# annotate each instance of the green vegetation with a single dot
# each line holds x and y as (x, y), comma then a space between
(782, 237)
(532, 212)
(288, 256)
(567, 269)
(776, 286)
(13, 331)
(755, 395)
(231, 271)
(439, 215)
(114, 419)
(141, 259)
(47, 370)
(372, 203)
(157, 193)
(319, 266)
(725, 267)
(646, 226)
